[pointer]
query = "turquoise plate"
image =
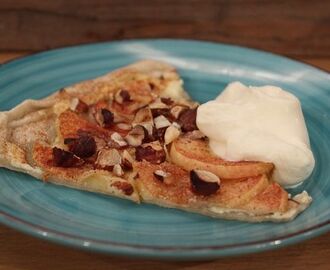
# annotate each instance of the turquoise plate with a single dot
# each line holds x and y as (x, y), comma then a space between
(106, 224)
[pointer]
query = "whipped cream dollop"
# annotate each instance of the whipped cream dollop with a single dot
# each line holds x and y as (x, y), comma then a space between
(259, 124)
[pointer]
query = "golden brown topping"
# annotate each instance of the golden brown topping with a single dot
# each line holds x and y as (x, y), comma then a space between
(204, 182)
(187, 120)
(84, 146)
(62, 158)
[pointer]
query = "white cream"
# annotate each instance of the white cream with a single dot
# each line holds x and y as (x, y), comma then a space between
(259, 124)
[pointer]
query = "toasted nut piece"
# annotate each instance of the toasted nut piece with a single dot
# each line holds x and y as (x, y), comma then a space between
(117, 170)
(116, 137)
(187, 120)
(158, 104)
(104, 117)
(122, 96)
(204, 182)
(167, 100)
(78, 105)
(126, 155)
(124, 126)
(143, 115)
(148, 127)
(177, 125)
(195, 135)
(161, 111)
(62, 158)
(151, 152)
(160, 175)
(155, 145)
(136, 136)
(84, 146)
(126, 165)
(118, 118)
(108, 157)
(171, 133)
(144, 118)
(127, 160)
(177, 110)
(158, 134)
(161, 121)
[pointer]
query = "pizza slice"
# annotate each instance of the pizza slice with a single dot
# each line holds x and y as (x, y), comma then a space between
(132, 134)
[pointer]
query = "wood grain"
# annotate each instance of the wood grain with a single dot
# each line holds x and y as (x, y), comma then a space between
(294, 28)
(22, 252)
(19, 251)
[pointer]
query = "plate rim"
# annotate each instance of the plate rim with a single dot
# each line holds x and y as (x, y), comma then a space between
(159, 252)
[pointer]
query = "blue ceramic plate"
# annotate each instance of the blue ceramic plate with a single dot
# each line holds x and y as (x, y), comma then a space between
(116, 226)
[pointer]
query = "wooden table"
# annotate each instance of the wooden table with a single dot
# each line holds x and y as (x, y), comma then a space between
(19, 251)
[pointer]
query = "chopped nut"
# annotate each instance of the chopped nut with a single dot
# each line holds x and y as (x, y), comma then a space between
(152, 152)
(177, 110)
(127, 160)
(158, 104)
(124, 126)
(167, 100)
(158, 134)
(126, 165)
(136, 135)
(78, 105)
(126, 155)
(143, 115)
(204, 182)
(122, 96)
(148, 127)
(161, 122)
(160, 175)
(161, 111)
(84, 146)
(117, 170)
(144, 118)
(104, 118)
(117, 138)
(118, 118)
(62, 158)
(107, 117)
(171, 133)
(187, 119)
(108, 157)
